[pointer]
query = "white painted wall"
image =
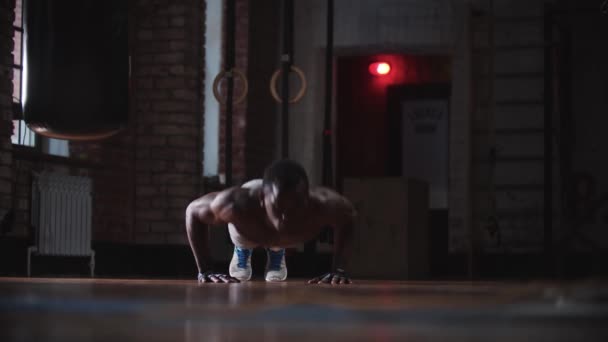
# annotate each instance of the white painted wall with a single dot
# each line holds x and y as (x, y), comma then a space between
(213, 54)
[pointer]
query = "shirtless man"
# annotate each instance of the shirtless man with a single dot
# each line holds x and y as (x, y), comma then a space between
(275, 212)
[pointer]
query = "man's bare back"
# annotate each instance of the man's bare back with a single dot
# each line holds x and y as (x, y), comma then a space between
(264, 214)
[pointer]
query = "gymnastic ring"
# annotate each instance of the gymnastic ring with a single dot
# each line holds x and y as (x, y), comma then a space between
(220, 76)
(301, 92)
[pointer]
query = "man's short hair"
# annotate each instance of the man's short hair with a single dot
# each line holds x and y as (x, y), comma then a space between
(287, 175)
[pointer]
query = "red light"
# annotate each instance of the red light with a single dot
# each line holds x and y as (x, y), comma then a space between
(379, 68)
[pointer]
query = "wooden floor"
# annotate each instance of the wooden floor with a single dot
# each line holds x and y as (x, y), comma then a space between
(163, 310)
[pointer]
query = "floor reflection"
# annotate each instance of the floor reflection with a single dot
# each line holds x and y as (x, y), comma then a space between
(155, 310)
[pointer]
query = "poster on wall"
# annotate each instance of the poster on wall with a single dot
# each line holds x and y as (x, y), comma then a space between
(425, 146)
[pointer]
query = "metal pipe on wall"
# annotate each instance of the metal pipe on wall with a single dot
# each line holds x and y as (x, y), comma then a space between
(286, 63)
(229, 63)
(548, 142)
(327, 172)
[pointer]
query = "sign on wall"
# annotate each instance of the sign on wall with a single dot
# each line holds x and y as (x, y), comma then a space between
(425, 146)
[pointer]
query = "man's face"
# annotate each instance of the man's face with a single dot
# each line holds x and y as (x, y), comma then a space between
(282, 206)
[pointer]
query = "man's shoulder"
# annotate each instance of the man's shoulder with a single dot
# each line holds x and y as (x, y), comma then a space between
(322, 193)
(331, 202)
(234, 200)
(252, 184)
(247, 189)
(234, 195)
(327, 196)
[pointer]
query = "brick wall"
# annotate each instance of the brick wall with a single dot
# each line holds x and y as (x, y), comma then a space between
(6, 90)
(113, 185)
(168, 76)
(21, 198)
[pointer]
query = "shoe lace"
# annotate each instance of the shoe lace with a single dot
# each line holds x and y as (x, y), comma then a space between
(275, 259)
(243, 256)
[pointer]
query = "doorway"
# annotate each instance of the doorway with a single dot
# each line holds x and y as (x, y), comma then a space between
(396, 125)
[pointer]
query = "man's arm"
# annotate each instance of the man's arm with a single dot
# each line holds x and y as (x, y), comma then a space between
(207, 210)
(198, 217)
(342, 215)
(343, 244)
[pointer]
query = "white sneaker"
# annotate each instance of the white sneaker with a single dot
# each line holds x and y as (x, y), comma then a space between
(276, 269)
(240, 265)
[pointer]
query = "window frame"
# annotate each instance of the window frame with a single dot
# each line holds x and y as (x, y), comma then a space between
(40, 143)
(18, 102)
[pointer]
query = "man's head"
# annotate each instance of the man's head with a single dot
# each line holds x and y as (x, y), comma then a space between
(285, 189)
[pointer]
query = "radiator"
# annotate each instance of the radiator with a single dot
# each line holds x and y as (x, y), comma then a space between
(61, 216)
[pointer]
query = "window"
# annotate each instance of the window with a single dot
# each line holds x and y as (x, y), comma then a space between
(22, 135)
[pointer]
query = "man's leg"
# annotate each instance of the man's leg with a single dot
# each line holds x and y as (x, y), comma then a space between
(240, 265)
(276, 268)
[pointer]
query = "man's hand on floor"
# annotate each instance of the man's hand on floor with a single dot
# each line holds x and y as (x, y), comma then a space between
(212, 277)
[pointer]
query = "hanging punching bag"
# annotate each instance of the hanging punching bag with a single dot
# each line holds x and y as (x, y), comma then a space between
(76, 68)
